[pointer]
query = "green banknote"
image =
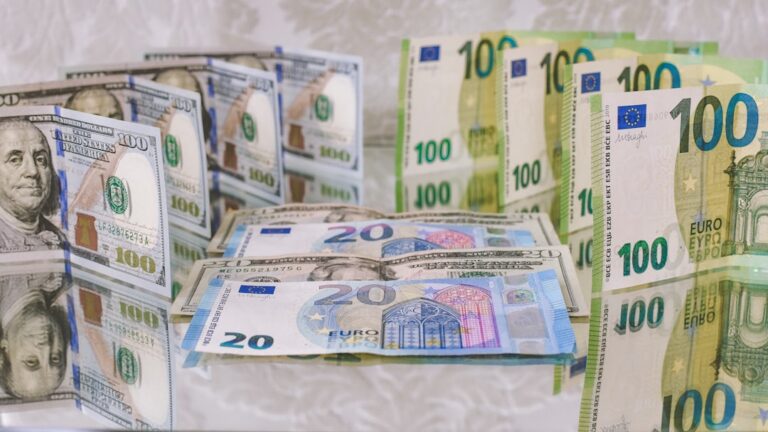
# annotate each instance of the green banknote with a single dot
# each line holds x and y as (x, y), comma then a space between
(683, 354)
(92, 183)
(645, 72)
(322, 101)
(679, 182)
(175, 111)
(241, 119)
(124, 357)
(531, 83)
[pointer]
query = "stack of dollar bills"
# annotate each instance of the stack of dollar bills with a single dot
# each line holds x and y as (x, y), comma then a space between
(112, 181)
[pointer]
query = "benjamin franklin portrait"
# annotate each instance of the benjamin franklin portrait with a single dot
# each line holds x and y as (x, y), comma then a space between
(29, 189)
(97, 101)
(34, 334)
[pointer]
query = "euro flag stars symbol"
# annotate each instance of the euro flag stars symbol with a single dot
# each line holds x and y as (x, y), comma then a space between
(519, 68)
(590, 82)
(632, 116)
(429, 53)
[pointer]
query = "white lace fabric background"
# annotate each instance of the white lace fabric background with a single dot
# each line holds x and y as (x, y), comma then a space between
(38, 36)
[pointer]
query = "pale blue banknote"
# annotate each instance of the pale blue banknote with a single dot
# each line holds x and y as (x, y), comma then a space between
(520, 314)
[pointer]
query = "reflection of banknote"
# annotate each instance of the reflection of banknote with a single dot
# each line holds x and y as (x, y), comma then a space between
(330, 213)
(514, 315)
(175, 111)
(322, 100)
(378, 238)
(37, 358)
(679, 180)
(475, 190)
(241, 120)
(304, 186)
(692, 350)
(104, 192)
(643, 72)
(186, 249)
(124, 362)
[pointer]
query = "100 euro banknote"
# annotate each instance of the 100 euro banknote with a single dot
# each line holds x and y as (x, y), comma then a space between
(177, 112)
(633, 73)
(679, 181)
(322, 101)
(682, 354)
(512, 315)
(376, 238)
(90, 184)
(241, 118)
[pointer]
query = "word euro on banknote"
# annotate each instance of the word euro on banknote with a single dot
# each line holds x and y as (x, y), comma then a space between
(175, 111)
(322, 100)
(124, 354)
(513, 315)
(692, 350)
(679, 181)
(89, 184)
(379, 238)
(644, 72)
(419, 265)
(241, 119)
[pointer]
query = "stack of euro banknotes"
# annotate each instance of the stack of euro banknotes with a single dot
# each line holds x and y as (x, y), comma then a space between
(651, 157)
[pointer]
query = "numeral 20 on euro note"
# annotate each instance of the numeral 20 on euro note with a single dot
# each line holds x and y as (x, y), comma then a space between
(369, 233)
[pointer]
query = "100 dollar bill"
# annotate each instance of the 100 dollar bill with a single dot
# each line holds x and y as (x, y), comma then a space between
(678, 180)
(691, 350)
(175, 111)
(241, 119)
(514, 315)
(91, 183)
(322, 101)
